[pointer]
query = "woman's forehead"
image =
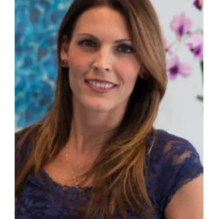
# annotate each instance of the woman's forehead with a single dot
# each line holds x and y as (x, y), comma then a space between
(102, 20)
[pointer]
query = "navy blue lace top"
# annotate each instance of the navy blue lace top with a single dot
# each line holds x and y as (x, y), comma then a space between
(173, 162)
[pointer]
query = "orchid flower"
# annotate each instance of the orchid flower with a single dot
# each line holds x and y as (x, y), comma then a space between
(196, 46)
(175, 68)
(181, 25)
(198, 4)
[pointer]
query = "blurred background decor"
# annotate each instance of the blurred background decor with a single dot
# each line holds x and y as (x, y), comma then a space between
(36, 26)
(190, 38)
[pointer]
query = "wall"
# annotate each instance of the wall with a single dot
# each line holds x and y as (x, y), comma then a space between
(36, 26)
(180, 112)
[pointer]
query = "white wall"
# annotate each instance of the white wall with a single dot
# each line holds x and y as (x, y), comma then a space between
(180, 112)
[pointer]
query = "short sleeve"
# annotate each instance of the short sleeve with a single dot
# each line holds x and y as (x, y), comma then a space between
(173, 163)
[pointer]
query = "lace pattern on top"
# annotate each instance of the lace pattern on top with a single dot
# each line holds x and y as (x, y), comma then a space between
(172, 163)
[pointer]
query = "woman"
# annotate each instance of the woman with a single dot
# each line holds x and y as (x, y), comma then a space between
(96, 154)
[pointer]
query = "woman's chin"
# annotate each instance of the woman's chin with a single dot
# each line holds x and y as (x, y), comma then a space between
(96, 105)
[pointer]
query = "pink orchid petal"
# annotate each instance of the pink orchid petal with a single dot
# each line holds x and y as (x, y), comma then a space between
(172, 67)
(181, 25)
(175, 23)
(197, 39)
(197, 52)
(185, 69)
(172, 77)
(189, 45)
(174, 60)
(166, 45)
(198, 4)
(196, 46)
(187, 25)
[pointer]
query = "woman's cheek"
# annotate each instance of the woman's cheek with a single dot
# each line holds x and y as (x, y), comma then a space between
(128, 69)
(78, 60)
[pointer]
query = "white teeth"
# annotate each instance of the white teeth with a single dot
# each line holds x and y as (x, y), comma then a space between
(98, 84)
(101, 85)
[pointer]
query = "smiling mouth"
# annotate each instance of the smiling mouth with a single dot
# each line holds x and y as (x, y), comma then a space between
(100, 84)
(100, 87)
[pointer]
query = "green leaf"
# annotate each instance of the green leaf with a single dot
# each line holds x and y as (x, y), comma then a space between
(200, 98)
(202, 68)
(202, 65)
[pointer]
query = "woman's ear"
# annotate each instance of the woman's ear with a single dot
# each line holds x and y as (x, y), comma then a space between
(64, 51)
(143, 73)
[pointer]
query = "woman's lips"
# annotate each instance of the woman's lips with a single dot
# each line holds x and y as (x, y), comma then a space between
(100, 81)
(100, 86)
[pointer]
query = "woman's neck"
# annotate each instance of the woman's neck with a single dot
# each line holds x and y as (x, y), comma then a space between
(90, 129)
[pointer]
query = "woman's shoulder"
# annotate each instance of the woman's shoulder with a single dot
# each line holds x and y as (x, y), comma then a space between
(173, 162)
(25, 137)
(24, 144)
(25, 132)
(166, 145)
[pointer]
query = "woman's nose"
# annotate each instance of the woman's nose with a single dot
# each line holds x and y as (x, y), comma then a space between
(103, 60)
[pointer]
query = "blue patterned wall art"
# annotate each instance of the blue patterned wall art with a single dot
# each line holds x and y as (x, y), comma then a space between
(36, 26)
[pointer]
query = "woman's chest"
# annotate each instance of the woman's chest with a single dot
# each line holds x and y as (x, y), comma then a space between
(69, 171)
(51, 201)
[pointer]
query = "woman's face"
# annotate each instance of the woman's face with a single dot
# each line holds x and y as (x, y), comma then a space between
(103, 66)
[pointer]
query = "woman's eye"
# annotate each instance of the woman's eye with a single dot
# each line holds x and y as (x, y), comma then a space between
(125, 49)
(88, 43)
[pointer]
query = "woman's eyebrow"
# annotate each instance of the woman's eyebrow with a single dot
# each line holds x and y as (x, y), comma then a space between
(96, 38)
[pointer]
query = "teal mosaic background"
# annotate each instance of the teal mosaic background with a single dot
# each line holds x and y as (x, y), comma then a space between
(36, 26)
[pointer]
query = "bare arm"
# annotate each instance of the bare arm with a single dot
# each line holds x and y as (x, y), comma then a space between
(187, 203)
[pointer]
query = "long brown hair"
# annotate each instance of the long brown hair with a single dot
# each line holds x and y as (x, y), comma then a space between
(119, 167)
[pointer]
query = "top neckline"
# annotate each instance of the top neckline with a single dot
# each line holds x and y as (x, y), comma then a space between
(46, 181)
